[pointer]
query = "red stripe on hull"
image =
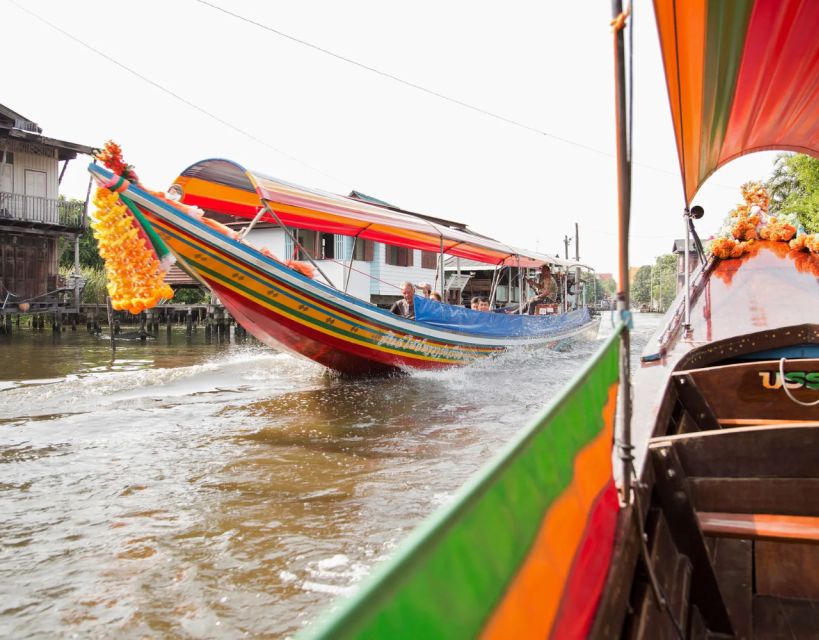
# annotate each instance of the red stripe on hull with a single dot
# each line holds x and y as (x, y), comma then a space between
(277, 330)
(584, 585)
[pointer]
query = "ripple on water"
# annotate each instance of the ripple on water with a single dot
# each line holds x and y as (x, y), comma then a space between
(184, 493)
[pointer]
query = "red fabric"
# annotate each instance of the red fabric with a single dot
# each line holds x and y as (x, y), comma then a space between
(776, 102)
(590, 568)
(304, 222)
(221, 206)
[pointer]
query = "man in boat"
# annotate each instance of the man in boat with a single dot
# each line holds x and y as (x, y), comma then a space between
(425, 288)
(545, 289)
(405, 307)
(483, 304)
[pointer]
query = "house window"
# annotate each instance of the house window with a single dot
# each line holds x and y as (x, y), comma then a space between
(6, 171)
(398, 256)
(327, 246)
(363, 250)
(309, 248)
(429, 260)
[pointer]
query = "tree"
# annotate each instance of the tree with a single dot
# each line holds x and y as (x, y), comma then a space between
(794, 188)
(89, 253)
(641, 287)
(196, 295)
(597, 289)
(664, 281)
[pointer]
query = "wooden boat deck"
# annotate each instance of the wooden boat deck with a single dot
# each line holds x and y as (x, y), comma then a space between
(729, 483)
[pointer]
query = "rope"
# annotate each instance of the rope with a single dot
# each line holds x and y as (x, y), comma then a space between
(788, 391)
(619, 23)
(679, 102)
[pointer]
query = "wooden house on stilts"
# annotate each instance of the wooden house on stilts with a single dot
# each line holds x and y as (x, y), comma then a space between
(33, 217)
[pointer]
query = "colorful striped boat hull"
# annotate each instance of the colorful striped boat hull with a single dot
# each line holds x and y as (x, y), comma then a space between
(289, 311)
(524, 548)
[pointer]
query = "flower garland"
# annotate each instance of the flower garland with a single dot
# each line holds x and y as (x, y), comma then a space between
(134, 272)
(750, 222)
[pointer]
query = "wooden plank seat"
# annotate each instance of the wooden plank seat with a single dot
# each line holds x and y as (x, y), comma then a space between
(762, 422)
(760, 526)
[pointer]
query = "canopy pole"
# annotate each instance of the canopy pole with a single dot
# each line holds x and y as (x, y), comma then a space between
(687, 275)
(520, 289)
(441, 258)
(350, 266)
(566, 290)
(253, 222)
(624, 213)
(495, 280)
(296, 243)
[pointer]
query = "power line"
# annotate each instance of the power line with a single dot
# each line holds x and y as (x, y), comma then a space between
(266, 144)
(432, 92)
(407, 83)
(171, 93)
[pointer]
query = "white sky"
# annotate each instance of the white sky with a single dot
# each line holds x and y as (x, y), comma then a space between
(545, 64)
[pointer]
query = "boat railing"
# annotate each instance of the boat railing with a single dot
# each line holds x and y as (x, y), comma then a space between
(677, 318)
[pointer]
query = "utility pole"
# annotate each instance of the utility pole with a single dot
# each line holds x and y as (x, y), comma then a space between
(566, 241)
(577, 269)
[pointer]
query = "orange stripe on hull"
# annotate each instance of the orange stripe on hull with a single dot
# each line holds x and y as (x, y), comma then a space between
(531, 603)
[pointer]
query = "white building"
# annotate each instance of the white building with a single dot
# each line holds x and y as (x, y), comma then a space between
(375, 273)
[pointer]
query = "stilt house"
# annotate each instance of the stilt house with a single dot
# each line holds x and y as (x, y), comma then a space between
(33, 217)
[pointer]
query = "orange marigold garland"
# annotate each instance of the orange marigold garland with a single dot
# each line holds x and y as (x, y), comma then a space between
(749, 222)
(134, 272)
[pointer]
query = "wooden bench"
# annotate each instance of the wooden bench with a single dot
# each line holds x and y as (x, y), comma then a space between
(760, 526)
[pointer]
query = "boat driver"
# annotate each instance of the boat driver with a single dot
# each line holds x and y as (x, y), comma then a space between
(405, 307)
(545, 289)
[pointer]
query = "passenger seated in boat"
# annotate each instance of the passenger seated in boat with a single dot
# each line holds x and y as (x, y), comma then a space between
(436, 296)
(483, 304)
(545, 289)
(425, 288)
(405, 307)
(473, 304)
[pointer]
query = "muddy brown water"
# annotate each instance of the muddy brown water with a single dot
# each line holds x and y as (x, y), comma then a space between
(193, 490)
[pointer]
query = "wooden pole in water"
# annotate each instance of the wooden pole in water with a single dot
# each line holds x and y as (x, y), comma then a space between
(111, 322)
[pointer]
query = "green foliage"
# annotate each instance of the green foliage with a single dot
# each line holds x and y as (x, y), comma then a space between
(664, 279)
(641, 287)
(95, 290)
(597, 289)
(190, 296)
(794, 188)
(89, 254)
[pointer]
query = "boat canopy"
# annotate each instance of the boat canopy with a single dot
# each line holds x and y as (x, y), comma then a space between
(225, 187)
(741, 77)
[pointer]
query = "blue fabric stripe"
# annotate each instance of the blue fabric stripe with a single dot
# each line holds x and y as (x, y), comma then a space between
(456, 318)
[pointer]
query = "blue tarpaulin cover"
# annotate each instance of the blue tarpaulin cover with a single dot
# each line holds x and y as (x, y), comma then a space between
(457, 318)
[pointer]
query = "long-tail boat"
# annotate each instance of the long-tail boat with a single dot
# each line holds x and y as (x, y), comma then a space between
(287, 309)
(707, 525)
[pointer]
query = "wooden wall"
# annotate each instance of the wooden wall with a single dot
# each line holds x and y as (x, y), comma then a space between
(32, 157)
(28, 264)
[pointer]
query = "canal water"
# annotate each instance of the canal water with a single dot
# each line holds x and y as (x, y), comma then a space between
(193, 490)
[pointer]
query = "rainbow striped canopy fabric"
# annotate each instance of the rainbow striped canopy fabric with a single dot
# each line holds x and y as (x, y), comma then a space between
(225, 187)
(742, 77)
